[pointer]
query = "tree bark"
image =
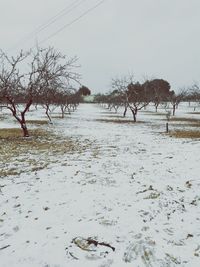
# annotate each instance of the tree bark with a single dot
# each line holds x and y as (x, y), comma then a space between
(174, 109)
(25, 130)
(21, 119)
(156, 106)
(116, 108)
(23, 123)
(63, 112)
(134, 112)
(125, 110)
(167, 127)
(47, 112)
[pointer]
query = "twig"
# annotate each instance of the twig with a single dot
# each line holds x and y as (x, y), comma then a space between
(4, 247)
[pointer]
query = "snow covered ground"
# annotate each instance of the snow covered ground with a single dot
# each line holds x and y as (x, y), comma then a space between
(133, 190)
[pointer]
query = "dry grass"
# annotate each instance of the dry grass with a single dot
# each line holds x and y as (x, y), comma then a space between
(57, 117)
(185, 134)
(115, 116)
(16, 134)
(18, 154)
(119, 121)
(185, 125)
(37, 122)
(7, 133)
(154, 113)
(108, 112)
(184, 122)
(195, 113)
(192, 120)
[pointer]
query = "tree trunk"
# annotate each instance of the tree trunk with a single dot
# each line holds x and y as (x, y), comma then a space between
(21, 119)
(24, 129)
(134, 112)
(174, 109)
(156, 106)
(73, 107)
(115, 108)
(69, 111)
(47, 113)
(167, 127)
(125, 110)
(63, 112)
(23, 123)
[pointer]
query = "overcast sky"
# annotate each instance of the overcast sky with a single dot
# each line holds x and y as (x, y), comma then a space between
(151, 38)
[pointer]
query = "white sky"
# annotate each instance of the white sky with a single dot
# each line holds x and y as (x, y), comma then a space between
(154, 38)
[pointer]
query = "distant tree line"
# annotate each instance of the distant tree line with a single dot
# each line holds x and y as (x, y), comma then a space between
(135, 95)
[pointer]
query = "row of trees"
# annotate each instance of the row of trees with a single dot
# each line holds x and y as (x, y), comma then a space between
(193, 94)
(136, 96)
(44, 77)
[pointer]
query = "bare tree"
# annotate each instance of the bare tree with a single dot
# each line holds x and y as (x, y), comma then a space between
(138, 97)
(134, 95)
(64, 99)
(194, 93)
(121, 86)
(48, 70)
(175, 99)
(11, 88)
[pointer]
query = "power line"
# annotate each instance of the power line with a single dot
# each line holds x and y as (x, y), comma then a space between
(59, 15)
(50, 21)
(73, 21)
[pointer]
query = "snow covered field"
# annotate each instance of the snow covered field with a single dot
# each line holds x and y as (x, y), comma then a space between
(132, 189)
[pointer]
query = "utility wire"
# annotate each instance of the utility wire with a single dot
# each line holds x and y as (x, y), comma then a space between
(73, 21)
(59, 15)
(50, 21)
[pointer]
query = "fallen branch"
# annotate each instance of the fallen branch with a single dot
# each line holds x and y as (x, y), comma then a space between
(96, 243)
(4, 247)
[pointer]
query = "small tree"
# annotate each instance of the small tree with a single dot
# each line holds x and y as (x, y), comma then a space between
(134, 96)
(48, 99)
(138, 97)
(64, 99)
(121, 86)
(194, 93)
(175, 99)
